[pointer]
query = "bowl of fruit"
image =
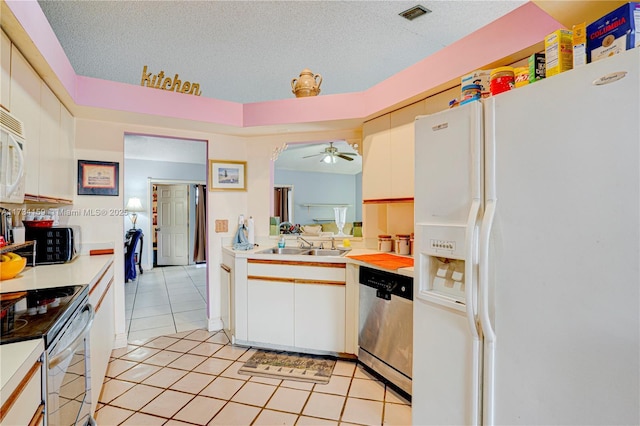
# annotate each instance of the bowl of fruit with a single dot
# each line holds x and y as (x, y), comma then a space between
(11, 264)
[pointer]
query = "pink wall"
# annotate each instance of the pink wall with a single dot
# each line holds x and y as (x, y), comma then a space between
(515, 31)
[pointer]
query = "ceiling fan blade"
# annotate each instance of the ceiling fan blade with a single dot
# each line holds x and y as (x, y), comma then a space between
(346, 153)
(344, 157)
(314, 155)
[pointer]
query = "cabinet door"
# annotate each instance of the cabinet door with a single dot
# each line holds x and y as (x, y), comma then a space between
(376, 165)
(49, 143)
(5, 71)
(67, 160)
(270, 312)
(102, 334)
(320, 317)
(25, 105)
(402, 155)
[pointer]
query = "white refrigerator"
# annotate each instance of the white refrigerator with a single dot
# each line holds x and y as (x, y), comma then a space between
(527, 278)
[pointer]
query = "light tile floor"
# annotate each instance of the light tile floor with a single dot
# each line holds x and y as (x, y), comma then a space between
(166, 300)
(191, 378)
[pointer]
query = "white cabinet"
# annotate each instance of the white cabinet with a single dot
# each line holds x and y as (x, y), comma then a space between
(101, 296)
(49, 132)
(5, 71)
(296, 304)
(376, 168)
(21, 394)
(319, 317)
(25, 105)
(402, 149)
(388, 154)
(66, 172)
(270, 307)
(49, 142)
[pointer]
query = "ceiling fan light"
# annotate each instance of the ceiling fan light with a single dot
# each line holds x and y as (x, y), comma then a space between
(329, 159)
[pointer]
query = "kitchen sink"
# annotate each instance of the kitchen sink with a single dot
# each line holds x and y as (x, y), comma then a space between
(326, 252)
(284, 250)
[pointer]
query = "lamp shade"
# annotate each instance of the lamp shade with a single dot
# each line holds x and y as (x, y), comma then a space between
(134, 205)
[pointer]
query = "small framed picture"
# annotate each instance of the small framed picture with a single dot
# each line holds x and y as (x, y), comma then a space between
(98, 178)
(227, 175)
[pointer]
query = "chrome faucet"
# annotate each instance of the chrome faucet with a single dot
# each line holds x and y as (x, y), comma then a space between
(333, 243)
(305, 241)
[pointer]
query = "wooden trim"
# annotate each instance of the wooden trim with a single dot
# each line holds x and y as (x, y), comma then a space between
(103, 295)
(294, 280)
(276, 279)
(99, 280)
(18, 390)
(225, 268)
(30, 198)
(298, 263)
(38, 416)
(320, 282)
(388, 200)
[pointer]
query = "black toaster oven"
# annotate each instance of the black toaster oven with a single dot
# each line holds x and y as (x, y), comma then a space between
(59, 244)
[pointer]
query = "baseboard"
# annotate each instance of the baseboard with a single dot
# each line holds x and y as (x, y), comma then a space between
(120, 341)
(215, 324)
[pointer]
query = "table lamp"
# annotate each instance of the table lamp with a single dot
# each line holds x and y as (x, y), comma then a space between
(133, 206)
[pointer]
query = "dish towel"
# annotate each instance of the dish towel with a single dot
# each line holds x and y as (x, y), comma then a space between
(240, 241)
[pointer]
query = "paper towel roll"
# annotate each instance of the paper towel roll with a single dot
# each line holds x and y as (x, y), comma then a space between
(251, 236)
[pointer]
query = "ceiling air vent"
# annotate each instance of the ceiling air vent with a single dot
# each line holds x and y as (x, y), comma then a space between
(414, 12)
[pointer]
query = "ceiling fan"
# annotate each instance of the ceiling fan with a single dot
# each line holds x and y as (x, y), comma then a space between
(330, 153)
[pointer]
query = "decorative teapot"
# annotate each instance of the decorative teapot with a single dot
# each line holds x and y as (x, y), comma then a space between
(307, 84)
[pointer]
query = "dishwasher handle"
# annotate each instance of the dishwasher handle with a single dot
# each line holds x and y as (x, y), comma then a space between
(69, 349)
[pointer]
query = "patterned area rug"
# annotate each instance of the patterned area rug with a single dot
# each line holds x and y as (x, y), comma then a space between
(289, 366)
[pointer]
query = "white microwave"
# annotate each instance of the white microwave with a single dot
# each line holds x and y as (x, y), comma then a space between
(11, 158)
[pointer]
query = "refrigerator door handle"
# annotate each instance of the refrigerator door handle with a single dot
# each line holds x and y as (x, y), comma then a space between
(471, 286)
(485, 320)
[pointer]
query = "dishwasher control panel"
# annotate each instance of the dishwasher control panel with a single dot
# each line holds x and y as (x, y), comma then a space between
(387, 283)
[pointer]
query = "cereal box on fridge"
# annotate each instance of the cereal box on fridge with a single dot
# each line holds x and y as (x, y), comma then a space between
(558, 52)
(579, 44)
(614, 32)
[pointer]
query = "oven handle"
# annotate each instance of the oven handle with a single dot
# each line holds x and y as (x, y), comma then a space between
(66, 352)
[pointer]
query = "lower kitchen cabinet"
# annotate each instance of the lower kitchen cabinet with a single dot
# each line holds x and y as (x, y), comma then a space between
(101, 296)
(297, 305)
(270, 307)
(22, 401)
(319, 317)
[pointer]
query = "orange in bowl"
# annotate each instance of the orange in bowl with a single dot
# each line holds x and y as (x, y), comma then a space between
(11, 268)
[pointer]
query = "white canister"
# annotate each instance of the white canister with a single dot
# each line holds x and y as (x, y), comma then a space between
(402, 244)
(18, 235)
(385, 243)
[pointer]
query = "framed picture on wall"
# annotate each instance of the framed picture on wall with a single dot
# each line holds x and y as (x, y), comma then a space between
(225, 175)
(97, 178)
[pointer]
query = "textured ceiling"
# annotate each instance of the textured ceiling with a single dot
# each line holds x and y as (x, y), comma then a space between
(248, 51)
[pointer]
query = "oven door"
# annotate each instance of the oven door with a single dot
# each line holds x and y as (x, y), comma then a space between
(68, 381)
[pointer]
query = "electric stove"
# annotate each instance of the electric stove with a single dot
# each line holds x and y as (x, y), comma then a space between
(42, 313)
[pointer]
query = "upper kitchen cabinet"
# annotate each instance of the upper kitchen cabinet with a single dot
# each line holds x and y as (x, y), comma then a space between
(49, 142)
(376, 166)
(49, 131)
(25, 105)
(402, 149)
(5, 71)
(388, 159)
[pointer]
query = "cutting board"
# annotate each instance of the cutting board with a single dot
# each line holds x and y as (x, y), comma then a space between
(384, 260)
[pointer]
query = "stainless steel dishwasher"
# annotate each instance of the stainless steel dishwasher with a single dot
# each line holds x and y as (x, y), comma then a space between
(385, 337)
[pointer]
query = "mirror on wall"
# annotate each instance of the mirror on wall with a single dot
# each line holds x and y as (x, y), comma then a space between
(311, 178)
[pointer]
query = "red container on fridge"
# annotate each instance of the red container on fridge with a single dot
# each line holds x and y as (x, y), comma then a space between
(501, 80)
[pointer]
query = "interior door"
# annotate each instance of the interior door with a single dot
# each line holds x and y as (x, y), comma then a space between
(173, 225)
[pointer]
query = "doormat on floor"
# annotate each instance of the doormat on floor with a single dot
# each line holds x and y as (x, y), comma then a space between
(289, 366)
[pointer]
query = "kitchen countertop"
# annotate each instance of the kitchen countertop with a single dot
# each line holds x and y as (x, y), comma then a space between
(82, 270)
(253, 254)
(14, 363)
